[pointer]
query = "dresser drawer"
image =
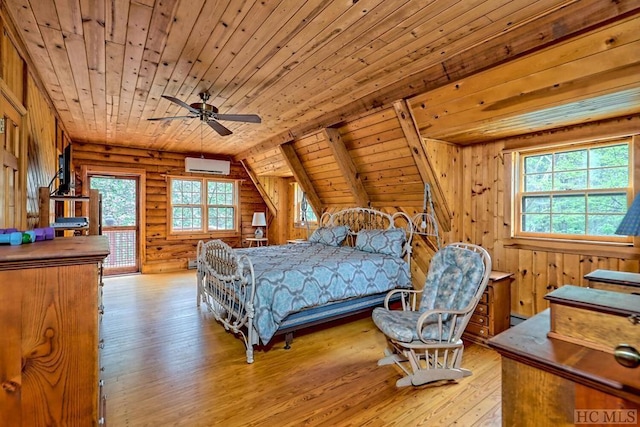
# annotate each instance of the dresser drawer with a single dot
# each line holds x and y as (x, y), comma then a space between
(480, 319)
(481, 309)
(477, 330)
(491, 315)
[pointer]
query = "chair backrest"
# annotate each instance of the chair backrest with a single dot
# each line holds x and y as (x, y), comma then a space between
(458, 272)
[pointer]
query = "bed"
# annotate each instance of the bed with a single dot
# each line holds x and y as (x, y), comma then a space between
(347, 266)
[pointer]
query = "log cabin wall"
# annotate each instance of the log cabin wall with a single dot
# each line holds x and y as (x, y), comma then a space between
(275, 189)
(162, 253)
(41, 135)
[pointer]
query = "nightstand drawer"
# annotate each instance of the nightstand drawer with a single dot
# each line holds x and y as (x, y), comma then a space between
(479, 319)
(484, 298)
(481, 309)
(477, 330)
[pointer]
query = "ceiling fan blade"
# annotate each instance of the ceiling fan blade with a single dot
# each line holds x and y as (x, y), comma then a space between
(181, 103)
(173, 118)
(223, 131)
(248, 118)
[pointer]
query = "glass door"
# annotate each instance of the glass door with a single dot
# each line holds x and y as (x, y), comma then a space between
(119, 221)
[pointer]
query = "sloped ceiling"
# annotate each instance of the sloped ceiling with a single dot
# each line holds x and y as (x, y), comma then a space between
(300, 65)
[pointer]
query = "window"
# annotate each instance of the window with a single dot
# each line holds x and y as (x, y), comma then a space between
(302, 209)
(201, 205)
(581, 192)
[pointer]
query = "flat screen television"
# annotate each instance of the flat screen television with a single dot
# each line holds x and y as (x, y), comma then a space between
(64, 172)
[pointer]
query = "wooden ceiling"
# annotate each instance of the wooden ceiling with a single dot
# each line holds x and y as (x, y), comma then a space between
(304, 65)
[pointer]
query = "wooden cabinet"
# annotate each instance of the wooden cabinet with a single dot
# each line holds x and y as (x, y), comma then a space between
(54, 206)
(49, 344)
(558, 368)
(493, 313)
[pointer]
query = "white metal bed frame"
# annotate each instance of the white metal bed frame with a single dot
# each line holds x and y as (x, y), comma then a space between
(226, 279)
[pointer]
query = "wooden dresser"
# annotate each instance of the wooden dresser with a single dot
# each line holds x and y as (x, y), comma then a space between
(493, 313)
(50, 339)
(558, 367)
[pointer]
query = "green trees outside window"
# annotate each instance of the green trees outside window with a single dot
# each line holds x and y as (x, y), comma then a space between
(575, 192)
(196, 202)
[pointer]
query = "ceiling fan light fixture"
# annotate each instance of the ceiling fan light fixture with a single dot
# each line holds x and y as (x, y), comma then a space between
(204, 108)
(209, 114)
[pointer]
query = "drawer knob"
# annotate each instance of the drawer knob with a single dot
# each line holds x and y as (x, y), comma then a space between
(627, 356)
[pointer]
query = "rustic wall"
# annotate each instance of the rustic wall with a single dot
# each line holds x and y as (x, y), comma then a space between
(537, 271)
(161, 252)
(42, 151)
(40, 139)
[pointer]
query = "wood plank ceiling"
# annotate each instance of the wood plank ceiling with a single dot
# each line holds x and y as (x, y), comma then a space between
(300, 65)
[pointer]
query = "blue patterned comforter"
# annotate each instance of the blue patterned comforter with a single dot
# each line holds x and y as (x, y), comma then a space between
(290, 278)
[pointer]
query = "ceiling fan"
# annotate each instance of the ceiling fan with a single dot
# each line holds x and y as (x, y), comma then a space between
(209, 114)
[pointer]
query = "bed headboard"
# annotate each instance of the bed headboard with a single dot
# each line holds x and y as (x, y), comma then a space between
(357, 219)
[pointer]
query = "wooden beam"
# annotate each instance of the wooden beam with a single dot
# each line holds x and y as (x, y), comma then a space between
(610, 128)
(290, 156)
(284, 203)
(261, 190)
(442, 211)
(347, 167)
(265, 145)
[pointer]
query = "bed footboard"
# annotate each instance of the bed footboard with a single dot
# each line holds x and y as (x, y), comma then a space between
(226, 285)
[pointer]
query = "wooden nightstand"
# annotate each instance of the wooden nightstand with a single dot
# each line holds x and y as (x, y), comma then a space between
(259, 242)
(493, 313)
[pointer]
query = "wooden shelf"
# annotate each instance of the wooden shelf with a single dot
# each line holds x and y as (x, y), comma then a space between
(90, 208)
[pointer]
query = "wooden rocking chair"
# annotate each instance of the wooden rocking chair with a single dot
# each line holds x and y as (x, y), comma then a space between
(425, 340)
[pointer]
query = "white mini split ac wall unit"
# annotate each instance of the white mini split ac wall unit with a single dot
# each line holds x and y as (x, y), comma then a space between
(198, 165)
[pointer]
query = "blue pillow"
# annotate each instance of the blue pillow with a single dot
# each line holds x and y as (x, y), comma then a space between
(388, 242)
(332, 236)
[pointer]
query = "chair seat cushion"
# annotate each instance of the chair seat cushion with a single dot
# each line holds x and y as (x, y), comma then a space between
(401, 325)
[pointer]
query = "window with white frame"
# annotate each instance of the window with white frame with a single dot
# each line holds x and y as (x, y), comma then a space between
(202, 205)
(303, 213)
(577, 192)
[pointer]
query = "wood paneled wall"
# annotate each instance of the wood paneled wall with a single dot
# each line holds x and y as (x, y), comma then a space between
(163, 253)
(42, 152)
(40, 134)
(536, 271)
(472, 179)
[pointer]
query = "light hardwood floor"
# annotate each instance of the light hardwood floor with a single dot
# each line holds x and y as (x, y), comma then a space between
(168, 363)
